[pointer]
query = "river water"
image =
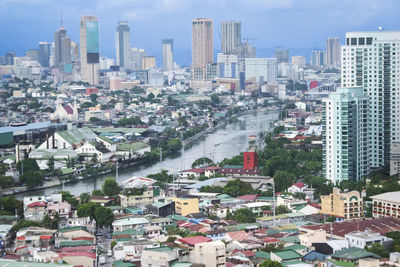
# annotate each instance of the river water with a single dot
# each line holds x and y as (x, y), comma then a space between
(224, 142)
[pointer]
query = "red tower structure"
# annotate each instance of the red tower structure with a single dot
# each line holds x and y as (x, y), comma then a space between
(250, 160)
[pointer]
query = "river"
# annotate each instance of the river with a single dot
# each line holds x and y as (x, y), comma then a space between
(224, 142)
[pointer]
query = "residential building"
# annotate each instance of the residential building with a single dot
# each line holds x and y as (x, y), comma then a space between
(282, 55)
(123, 44)
(395, 158)
(317, 58)
(228, 65)
(161, 256)
(263, 69)
(386, 204)
(202, 47)
(366, 239)
(129, 223)
(146, 198)
(343, 206)
(137, 58)
(317, 236)
(345, 135)
(285, 255)
(211, 254)
(185, 206)
(148, 62)
(369, 60)
(167, 46)
(332, 52)
(89, 48)
(231, 35)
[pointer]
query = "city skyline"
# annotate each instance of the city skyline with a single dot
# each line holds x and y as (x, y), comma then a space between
(300, 38)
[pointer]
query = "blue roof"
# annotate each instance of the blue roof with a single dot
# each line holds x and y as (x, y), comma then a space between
(205, 183)
(313, 255)
(30, 126)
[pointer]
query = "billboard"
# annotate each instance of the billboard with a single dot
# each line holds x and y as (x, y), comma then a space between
(92, 42)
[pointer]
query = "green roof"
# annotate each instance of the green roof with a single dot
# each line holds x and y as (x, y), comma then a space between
(105, 139)
(296, 247)
(290, 239)
(12, 263)
(223, 196)
(67, 171)
(75, 228)
(76, 135)
(263, 254)
(182, 264)
(341, 263)
(121, 263)
(160, 249)
(123, 239)
(131, 146)
(129, 232)
(287, 254)
(176, 217)
(299, 207)
(241, 226)
(354, 253)
(115, 207)
(232, 166)
(76, 243)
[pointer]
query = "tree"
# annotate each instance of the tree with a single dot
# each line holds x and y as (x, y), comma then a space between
(6, 181)
(395, 235)
(283, 180)
(237, 188)
(215, 99)
(32, 178)
(10, 204)
(93, 98)
(202, 162)
(111, 187)
(87, 209)
(28, 164)
(84, 198)
(50, 164)
(378, 249)
(244, 216)
(174, 145)
(66, 196)
(281, 209)
(104, 216)
(270, 263)
(97, 192)
(162, 176)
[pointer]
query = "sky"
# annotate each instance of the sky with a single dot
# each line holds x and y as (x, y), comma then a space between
(299, 25)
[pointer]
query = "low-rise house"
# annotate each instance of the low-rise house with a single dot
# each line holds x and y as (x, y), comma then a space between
(350, 255)
(62, 208)
(161, 256)
(31, 238)
(137, 197)
(307, 239)
(132, 250)
(256, 207)
(185, 206)
(36, 211)
(152, 231)
(129, 223)
(285, 256)
(330, 247)
(79, 258)
(95, 148)
(86, 222)
(195, 173)
(191, 241)
(363, 239)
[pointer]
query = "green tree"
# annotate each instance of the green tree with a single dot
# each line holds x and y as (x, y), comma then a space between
(395, 235)
(24, 224)
(93, 98)
(215, 99)
(50, 164)
(97, 192)
(10, 204)
(32, 178)
(244, 216)
(87, 209)
(6, 181)
(237, 188)
(174, 145)
(378, 249)
(104, 216)
(283, 180)
(281, 209)
(84, 198)
(162, 176)
(202, 162)
(28, 164)
(111, 187)
(270, 263)
(66, 196)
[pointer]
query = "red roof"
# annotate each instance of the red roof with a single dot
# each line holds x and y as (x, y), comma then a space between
(79, 248)
(198, 170)
(21, 238)
(45, 237)
(21, 247)
(68, 109)
(250, 198)
(238, 171)
(270, 240)
(299, 185)
(193, 240)
(212, 168)
(78, 254)
(83, 238)
(37, 204)
(247, 253)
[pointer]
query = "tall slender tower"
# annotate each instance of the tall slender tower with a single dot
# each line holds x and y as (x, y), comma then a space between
(62, 48)
(167, 54)
(89, 48)
(123, 44)
(202, 47)
(231, 33)
(370, 60)
(332, 51)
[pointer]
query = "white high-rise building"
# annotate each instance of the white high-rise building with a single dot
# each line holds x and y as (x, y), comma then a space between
(202, 47)
(123, 44)
(332, 51)
(298, 61)
(227, 66)
(263, 69)
(317, 58)
(89, 48)
(167, 46)
(371, 60)
(231, 36)
(345, 136)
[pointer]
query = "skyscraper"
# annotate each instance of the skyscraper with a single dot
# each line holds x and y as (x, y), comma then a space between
(202, 47)
(231, 36)
(332, 52)
(282, 55)
(345, 135)
(44, 54)
(167, 46)
(123, 44)
(370, 60)
(62, 48)
(317, 58)
(89, 48)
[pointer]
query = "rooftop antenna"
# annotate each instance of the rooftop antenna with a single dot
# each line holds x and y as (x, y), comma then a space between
(62, 21)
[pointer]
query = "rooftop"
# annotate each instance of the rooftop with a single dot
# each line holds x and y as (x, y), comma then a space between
(287, 254)
(354, 253)
(390, 196)
(193, 240)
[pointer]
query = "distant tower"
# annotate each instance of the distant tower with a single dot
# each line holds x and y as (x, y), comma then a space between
(89, 48)
(62, 48)
(44, 54)
(167, 54)
(123, 44)
(202, 47)
(231, 36)
(332, 52)
(282, 55)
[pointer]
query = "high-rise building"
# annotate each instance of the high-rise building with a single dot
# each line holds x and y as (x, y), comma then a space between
(282, 55)
(317, 58)
(9, 58)
(298, 61)
(32, 54)
(89, 48)
(148, 62)
(123, 44)
(263, 69)
(345, 135)
(44, 54)
(62, 49)
(167, 46)
(231, 36)
(74, 52)
(202, 47)
(332, 52)
(137, 58)
(228, 65)
(370, 60)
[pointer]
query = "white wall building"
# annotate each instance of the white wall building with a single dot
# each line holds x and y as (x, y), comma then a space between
(263, 69)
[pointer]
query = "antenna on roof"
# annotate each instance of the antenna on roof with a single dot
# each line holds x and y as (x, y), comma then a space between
(62, 21)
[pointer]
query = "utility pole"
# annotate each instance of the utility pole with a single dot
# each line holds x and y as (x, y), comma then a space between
(273, 199)
(116, 169)
(161, 157)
